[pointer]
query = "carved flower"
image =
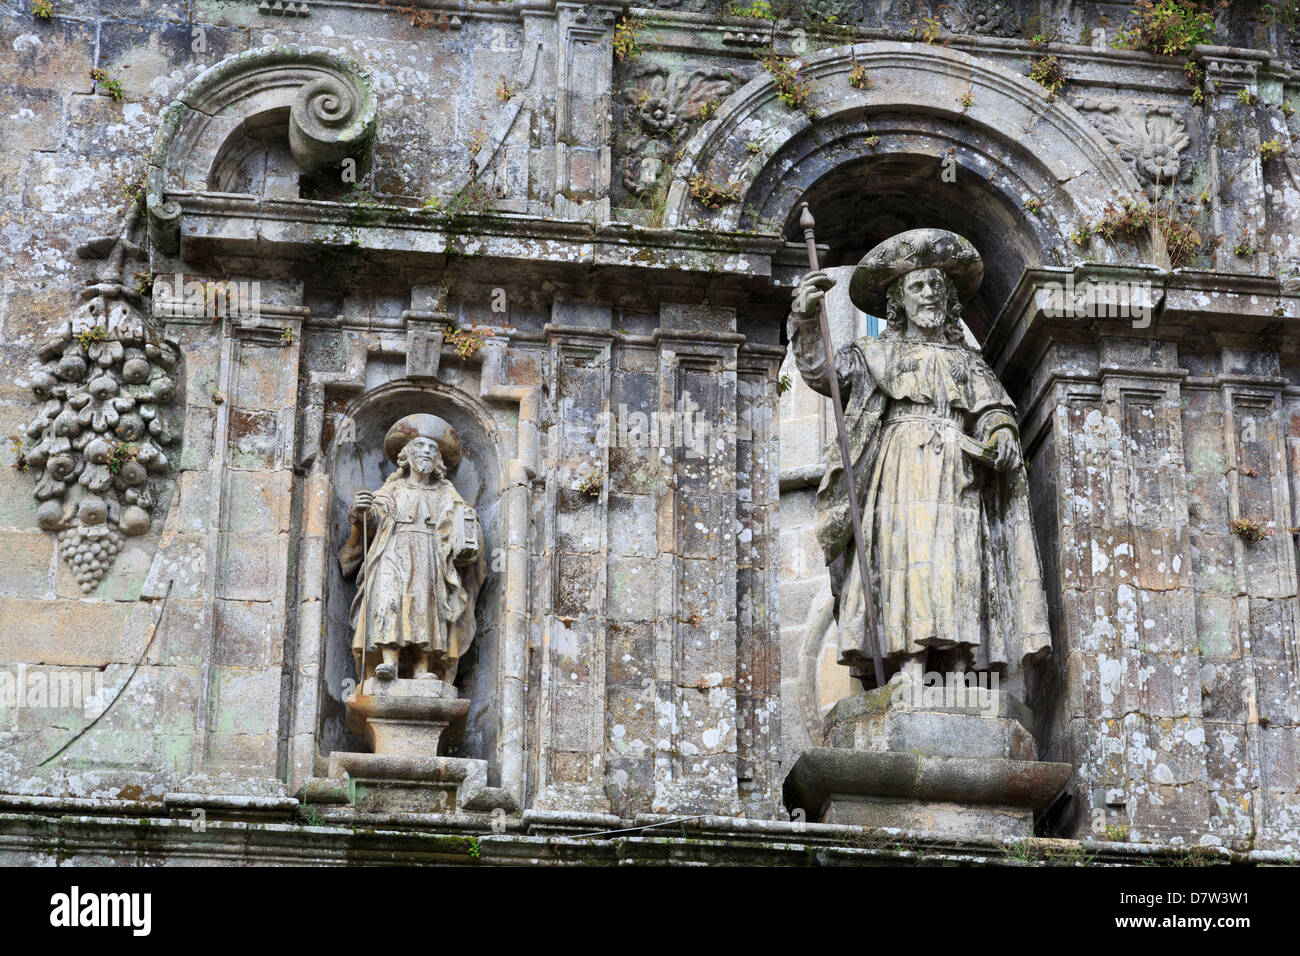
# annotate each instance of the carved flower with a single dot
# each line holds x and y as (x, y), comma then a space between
(984, 17)
(989, 18)
(657, 113)
(1158, 154)
(1153, 141)
(661, 99)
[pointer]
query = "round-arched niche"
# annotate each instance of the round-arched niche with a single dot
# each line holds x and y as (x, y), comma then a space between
(361, 464)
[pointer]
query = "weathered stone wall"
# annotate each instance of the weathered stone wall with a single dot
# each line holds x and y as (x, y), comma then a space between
(557, 222)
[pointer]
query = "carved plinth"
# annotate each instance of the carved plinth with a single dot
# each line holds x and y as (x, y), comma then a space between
(962, 768)
(404, 718)
(404, 721)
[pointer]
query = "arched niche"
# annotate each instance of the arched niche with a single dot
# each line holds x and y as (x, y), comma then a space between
(870, 162)
(479, 480)
(323, 100)
(257, 159)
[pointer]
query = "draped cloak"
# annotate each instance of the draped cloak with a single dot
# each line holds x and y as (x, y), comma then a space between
(953, 557)
(411, 593)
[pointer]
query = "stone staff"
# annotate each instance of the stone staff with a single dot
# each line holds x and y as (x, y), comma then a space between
(855, 512)
(365, 569)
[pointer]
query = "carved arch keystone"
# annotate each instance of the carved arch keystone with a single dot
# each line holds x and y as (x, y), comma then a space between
(331, 109)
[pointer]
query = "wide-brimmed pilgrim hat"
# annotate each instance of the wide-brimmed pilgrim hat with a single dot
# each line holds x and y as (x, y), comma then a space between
(426, 426)
(914, 249)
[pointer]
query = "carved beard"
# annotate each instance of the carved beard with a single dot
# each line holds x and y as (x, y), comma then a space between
(423, 466)
(929, 316)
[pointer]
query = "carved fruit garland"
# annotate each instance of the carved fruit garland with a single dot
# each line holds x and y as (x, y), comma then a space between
(99, 440)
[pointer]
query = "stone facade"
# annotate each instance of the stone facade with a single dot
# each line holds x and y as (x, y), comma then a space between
(261, 233)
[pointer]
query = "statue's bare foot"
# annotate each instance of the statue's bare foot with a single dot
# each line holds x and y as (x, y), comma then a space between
(385, 671)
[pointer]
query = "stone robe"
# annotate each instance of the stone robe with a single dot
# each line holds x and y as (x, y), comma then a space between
(411, 593)
(952, 550)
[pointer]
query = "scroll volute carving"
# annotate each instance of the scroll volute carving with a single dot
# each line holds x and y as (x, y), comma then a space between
(332, 119)
(331, 109)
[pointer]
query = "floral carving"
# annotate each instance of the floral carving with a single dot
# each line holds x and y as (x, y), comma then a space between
(841, 11)
(1152, 141)
(983, 17)
(662, 108)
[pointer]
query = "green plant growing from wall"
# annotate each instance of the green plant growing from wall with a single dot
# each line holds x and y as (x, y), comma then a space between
(757, 10)
(791, 89)
(16, 449)
(926, 29)
(711, 195)
(91, 335)
(1271, 149)
(1046, 72)
(1117, 832)
(119, 454)
(109, 85)
(858, 78)
(42, 9)
(591, 483)
(627, 42)
(1195, 74)
(1129, 221)
(466, 342)
(1250, 530)
(1167, 27)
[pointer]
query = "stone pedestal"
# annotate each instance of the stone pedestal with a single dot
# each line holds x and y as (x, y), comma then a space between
(405, 718)
(404, 722)
(962, 764)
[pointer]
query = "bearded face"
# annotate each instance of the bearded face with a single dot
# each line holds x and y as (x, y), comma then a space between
(925, 297)
(422, 457)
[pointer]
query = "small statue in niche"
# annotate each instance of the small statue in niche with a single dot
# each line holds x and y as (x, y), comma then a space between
(938, 471)
(415, 549)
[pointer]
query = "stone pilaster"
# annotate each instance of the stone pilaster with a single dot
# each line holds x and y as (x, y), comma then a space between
(695, 623)
(571, 706)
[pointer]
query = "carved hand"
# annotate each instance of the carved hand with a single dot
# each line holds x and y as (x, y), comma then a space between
(809, 293)
(1006, 449)
(364, 501)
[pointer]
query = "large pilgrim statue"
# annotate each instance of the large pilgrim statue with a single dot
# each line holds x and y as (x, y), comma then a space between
(414, 546)
(937, 465)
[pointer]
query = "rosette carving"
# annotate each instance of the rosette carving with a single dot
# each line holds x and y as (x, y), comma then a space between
(1152, 140)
